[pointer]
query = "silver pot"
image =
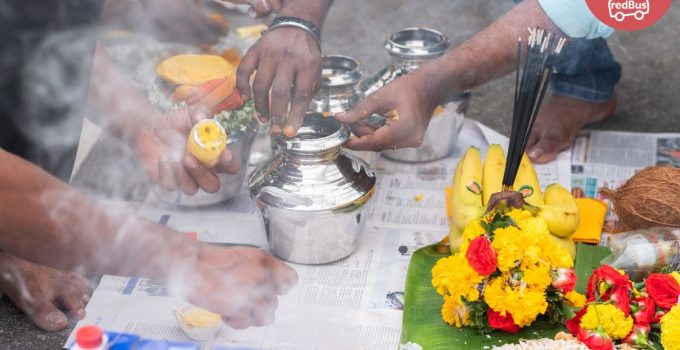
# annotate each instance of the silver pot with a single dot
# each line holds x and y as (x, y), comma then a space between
(239, 142)
(339, 78)
(409, 48)
(312, 194)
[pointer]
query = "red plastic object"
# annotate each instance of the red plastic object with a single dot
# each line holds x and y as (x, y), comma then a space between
(89, 337)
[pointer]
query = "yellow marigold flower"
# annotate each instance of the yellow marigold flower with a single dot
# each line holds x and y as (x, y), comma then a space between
(508, 250)
(537, 276)
(676, 275)
(670, 326)
(455, 313)
(524, 304)
(613, 321)
(536, 226)
(555, 254)
(472, 231)
(453, 276)
(519, 214)
(575, 299)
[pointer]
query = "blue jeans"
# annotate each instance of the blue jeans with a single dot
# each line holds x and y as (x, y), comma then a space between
(586, 71)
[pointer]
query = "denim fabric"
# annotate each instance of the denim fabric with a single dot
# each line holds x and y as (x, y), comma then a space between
(587, 70)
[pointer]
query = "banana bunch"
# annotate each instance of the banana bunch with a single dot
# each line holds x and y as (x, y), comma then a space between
(473, 185)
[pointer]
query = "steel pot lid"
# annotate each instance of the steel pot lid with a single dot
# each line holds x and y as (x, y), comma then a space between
(417, 43)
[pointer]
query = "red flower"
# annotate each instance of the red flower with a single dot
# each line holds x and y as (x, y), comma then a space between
(658, 315)
(621, 298)
(663, 289)
(643, 310)
(481, 257)
(565, 281)
(611, 278)
(595, 340)
(638, 336)
(503, 323)
(574, 324)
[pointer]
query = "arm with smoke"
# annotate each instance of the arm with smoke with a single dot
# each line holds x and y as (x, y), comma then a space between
(45, 221)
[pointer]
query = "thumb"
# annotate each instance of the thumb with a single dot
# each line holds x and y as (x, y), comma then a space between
(372, 104)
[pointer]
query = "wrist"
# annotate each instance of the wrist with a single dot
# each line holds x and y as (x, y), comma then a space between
(306, 11)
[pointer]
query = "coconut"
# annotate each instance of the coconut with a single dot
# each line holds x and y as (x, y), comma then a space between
(649, 198)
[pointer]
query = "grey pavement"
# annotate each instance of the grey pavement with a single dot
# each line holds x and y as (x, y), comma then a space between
(649, 96)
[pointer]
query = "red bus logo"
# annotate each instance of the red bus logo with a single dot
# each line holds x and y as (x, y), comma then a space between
(628, 14)
(620, 9)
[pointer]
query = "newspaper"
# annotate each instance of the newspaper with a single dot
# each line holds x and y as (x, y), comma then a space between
(354, 303)
(609, 158)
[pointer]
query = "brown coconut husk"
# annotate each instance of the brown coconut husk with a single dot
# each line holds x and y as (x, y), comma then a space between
(649, 198)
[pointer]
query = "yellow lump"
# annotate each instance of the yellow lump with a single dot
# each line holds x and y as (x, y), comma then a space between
(200, 318)
(207, 140)
(194, 70)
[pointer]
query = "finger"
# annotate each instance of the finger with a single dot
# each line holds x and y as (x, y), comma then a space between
(280, 96)
(362, 128)
(283, 276)
(167, 179)
(261, 87)
(263, 311)
(204, 177)
(245, 70)
(303, 92)
(382, 139)
(232, 102)
(261, 8)
(185, 181)
(239, 320)
(533, 139)
(373, 104)
(230, 163)
(71, 299)
(183, 92)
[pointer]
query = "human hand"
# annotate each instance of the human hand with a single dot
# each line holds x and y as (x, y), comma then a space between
(288, 65)
(241, 284)
(161, 146)
(182, 21)
(215, 95)
(259, 8)
(407, 103)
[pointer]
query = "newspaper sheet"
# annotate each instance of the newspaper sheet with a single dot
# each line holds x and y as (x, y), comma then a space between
(354, 303)
(609, 158)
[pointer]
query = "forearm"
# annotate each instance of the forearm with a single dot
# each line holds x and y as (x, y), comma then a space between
(45, 221)
(116, 104)
(314, 11)
(488, 55)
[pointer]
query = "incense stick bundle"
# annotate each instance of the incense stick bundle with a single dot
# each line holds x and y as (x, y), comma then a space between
(531, 83)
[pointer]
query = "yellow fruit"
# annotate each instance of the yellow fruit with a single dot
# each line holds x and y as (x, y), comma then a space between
(560, 211)
(207, 140)
(527, 183)
(466, 201)
(566, 243)
(194, 69)
(494, 168)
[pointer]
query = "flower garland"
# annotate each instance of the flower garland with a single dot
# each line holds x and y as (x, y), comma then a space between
(643, 315)
(507, 273)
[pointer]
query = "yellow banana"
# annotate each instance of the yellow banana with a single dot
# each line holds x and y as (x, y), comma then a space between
(527, 183)
(466, 202)
(494, 168)
(560, 211)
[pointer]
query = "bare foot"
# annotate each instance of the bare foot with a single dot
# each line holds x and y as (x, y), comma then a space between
(559, 121)
(43, 292)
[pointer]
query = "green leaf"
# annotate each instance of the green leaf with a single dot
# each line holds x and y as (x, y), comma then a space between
(422, 322)
(588, 258)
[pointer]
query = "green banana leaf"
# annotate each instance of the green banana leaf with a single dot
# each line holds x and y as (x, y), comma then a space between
(422, 323)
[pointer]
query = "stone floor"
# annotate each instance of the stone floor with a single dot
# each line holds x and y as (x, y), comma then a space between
(648, 95)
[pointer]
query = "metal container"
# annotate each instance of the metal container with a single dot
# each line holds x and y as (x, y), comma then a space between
(409, 48)
(312, 195)
(339, 78)
(239, 142)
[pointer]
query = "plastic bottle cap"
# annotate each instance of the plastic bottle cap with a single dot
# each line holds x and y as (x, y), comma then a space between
(89, 337)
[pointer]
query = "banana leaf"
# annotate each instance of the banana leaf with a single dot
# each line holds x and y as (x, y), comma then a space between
(422, 323)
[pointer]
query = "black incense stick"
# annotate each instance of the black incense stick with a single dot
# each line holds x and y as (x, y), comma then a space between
(531, 85)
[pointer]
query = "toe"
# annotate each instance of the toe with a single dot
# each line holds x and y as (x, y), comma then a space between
(48, 317)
